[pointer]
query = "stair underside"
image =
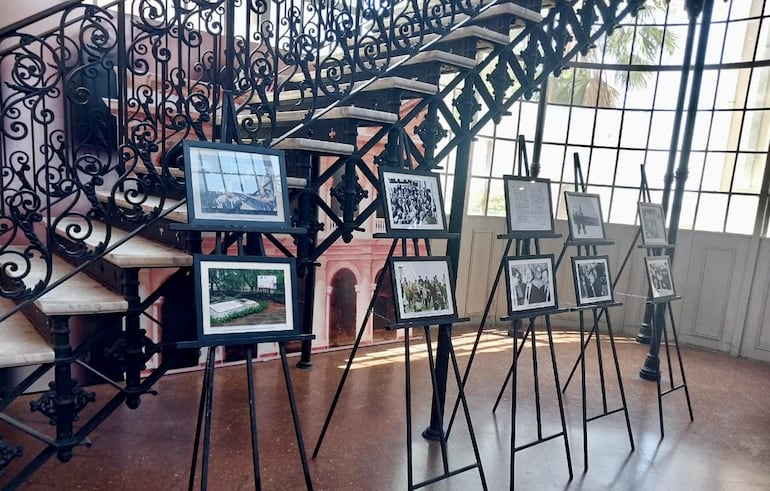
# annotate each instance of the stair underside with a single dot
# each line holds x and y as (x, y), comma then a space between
(20, 343)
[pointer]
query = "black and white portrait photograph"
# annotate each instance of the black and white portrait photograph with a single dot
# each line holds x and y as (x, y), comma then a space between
(653, 225)
(422, 288)
(530, 283)
(660, 277)
(235, 184)
(412, 200)
(245, 297)
(591, 275)
(584, 213)
(528, 205)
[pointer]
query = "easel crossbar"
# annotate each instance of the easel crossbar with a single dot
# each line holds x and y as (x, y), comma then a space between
(606, 413)
(539, 441)
(445, 476)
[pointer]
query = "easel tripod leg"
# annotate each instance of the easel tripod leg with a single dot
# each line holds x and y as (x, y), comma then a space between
(408, 396)
(517, 349)
(253, 418)
(558, 394)
(295, 416)
(681, 363)
(436, 401)
(620, 383)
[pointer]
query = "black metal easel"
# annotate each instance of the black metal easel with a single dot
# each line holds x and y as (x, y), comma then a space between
(444, 323)
(587, 248)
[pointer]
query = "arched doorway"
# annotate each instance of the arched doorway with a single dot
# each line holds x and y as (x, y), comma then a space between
(342, 309)
(384, 309)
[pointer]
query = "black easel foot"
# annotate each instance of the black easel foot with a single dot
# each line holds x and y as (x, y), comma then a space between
(304, 365)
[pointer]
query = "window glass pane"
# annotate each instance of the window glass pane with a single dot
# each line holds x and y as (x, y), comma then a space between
(754, 136)
(695, 168)
(680, 34)
(624, 206)
(687, 213)
(488, 129)
(760, 78)
(641, 90)
(551, 160)
(661, 130)
(707, 89)
(629, 168)
(701, 130)
(447, 182)
(496, 202)
(556, 118)
(601, 168)
(528, 119)
(748, 173)
(726, 90)
(481, 157)
(504, 158)
(607, 131)
(721, 129)
(668, 90)
(584, 154)
(477, 196)
(635, 129)
(711, 212)
(717, 171)
(655, 168)
(741, 214)
(605, 194)
(581, 126)
(716, 36)
(736, 47)
(448, 164)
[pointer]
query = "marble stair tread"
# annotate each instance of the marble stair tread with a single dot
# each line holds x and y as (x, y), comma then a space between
(436, 56)
(78, 295)
(137, 252)
(508, 8)
(20, 343)
(312, 145)
(382, 84)
(149, 203)
(344, 112)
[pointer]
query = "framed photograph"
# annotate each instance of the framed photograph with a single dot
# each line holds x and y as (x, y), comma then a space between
(660, 277)
(584, 213)
(528, 206)
(245, 297)
(653, 224)
(412, 201)
(591, 275)
(422, 288)
(239, 186)
(530, 283)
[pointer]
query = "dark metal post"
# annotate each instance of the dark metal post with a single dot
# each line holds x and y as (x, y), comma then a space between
(651, 368)
(467, 106)
(542, 104)
(645, 334)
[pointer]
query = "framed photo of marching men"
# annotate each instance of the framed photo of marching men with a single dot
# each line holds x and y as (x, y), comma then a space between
(528, 205)
(653, 224)
(660, 277)
(584, 213)
(245, 298)
(412, 202)
(530, 282)
(422, 288)
(235, 186)
(591, 275)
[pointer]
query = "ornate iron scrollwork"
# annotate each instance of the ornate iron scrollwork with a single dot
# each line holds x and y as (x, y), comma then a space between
(8, 452)
(50, 401)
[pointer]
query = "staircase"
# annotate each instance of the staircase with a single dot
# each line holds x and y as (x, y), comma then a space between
(96, 101)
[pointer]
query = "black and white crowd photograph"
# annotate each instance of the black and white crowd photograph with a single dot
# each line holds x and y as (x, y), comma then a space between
(659, 273)
(412, 201)
(423, 288)
(592, 279)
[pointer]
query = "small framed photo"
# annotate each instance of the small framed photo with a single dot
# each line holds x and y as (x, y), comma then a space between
(660, 277)
(412, 201)
(530, 282)
(422, 288)
(584, 213)
(591, 275)
(653, 224)
(245, 298)
(235, 186)
(528, 206)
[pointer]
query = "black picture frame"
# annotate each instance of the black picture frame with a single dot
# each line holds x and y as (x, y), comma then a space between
(592, 280)
(652, 223)
(526, 289)
(239, 187)
(660, 277)
(245, 298)
(422, 289)
(528, 206)
(412, 202)
(584, 214)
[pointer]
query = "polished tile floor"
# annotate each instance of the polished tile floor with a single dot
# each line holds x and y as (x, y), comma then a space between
(727, 447)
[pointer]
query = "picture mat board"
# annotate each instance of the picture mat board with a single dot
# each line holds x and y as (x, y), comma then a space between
(400, 188)
(260, 275)
(411, 294)
(591, 275)
(653, 224)
(528, 205)
(235, 185)
(660, 276)
(517, 289)
(584, 214)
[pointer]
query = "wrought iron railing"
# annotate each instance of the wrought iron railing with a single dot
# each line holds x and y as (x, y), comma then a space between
(99, 105)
